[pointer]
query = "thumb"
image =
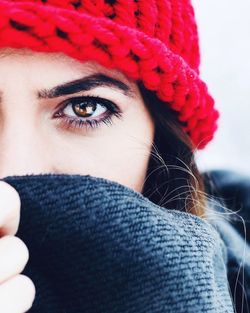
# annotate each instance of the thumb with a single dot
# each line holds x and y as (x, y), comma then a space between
(10, 204)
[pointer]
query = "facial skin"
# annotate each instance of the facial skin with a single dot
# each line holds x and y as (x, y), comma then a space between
(34, 141)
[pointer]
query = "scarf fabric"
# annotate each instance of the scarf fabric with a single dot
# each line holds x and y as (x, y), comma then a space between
(97, 246)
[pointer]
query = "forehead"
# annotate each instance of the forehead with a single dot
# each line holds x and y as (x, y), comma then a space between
(62, 63)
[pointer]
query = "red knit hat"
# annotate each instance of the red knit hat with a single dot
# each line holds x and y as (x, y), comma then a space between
(155, 41)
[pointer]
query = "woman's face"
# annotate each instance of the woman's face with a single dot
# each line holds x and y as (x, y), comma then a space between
(44, 96)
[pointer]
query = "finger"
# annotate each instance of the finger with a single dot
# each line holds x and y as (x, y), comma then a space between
(17, 294)
(10, 205)
(14, 255)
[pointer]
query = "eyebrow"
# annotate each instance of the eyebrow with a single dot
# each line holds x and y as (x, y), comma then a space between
(85, 84)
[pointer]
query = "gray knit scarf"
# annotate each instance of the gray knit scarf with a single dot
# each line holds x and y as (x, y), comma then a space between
(97, 246)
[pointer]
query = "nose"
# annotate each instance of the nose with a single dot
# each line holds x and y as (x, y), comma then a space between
(21, 150)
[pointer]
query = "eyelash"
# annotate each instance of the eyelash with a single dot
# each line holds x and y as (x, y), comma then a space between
(79, 123)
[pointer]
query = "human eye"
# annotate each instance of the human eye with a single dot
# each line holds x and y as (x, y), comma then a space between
(87, 112)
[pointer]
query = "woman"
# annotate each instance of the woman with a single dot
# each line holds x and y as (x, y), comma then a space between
(109, 89)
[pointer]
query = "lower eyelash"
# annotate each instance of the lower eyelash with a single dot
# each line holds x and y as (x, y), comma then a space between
(74, 123)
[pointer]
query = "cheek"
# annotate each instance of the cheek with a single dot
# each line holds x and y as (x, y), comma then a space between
(119, 152)
(123, 160)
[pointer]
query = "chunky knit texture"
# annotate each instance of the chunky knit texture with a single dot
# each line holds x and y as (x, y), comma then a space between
(99, 247)
(154, 41)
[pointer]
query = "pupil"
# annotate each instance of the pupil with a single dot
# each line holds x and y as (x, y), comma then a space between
(84, 110)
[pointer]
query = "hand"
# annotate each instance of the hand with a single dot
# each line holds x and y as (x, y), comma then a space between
(17, 291)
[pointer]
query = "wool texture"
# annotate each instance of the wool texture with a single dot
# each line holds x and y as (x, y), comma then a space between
(152, 41)
(97, 246)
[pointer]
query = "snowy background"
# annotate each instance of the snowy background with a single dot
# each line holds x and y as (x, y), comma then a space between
(224, 29)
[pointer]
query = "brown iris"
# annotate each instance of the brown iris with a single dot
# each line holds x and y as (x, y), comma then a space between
(84, 110)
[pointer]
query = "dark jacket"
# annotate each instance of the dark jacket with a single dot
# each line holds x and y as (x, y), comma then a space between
(231, 192)
(99, 247)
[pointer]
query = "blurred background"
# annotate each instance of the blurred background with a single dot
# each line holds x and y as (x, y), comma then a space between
(224, 30)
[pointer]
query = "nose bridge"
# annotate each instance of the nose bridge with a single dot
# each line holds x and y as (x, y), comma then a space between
(19, 143)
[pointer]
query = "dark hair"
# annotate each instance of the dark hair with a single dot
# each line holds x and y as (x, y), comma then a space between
(173, 179)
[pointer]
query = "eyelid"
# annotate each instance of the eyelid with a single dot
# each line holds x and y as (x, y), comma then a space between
(76, 123)
(111, 105)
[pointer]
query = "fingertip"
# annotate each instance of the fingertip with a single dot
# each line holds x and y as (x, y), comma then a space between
(10, 205)
(7, 190)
